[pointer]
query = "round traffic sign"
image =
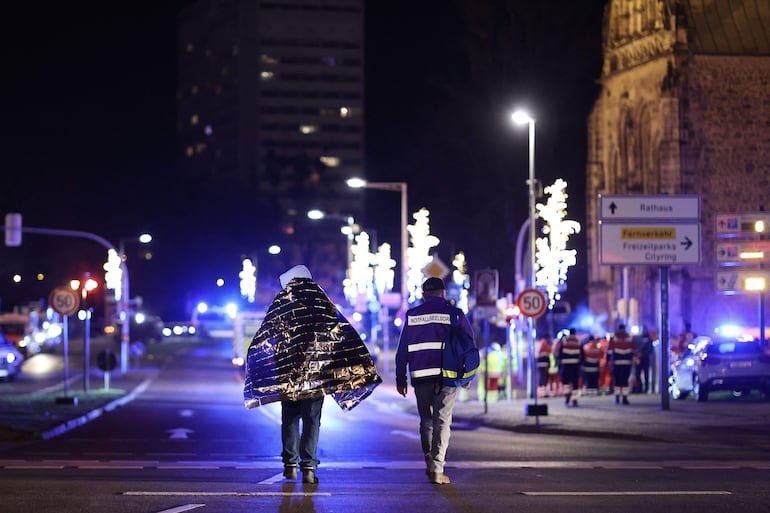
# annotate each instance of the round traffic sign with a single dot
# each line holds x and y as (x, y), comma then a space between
(64, 301)
(531, 302)
(107, 361)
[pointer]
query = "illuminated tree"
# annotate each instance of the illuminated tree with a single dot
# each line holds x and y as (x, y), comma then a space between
(418, 256)
(383, 269)
(113, 276)
(461, 278)
(553, 257)
(248, 280)
(361, 273)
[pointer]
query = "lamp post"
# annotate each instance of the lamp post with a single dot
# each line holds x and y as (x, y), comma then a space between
(520, 118)
(125, 326)
(401, 187)
(349, 230)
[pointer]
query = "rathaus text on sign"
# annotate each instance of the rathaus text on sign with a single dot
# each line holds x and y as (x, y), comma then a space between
(637, 207)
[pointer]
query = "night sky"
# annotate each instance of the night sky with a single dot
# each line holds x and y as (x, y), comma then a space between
(89, 113)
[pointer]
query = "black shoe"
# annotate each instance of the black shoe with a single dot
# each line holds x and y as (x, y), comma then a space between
(617, 399)
(290, 472)
(308, 476)
(625, 400)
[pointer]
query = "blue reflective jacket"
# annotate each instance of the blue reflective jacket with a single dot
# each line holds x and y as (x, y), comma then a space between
(425, 328)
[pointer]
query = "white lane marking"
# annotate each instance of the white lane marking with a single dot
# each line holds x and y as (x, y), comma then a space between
(50, 463)
(187, 467)
(179, 509)
(56, 387)
(111, 467)
(226, 494)
(631, 492)
(34, 467)
(407, 434)
(272, 480)
(180, 432)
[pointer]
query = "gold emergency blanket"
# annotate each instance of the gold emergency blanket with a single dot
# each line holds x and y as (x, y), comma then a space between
(305, 348)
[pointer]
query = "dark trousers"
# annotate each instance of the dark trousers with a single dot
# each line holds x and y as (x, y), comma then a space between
(642, 369)
(301, 448)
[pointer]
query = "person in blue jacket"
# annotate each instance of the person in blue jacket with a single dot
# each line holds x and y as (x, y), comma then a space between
(419, 348)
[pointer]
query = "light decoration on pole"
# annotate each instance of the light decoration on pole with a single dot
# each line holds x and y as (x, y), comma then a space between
(461, 278)
(553, 257)
(418, 255)
(113, 275)
(360, 271)
(248, 280)
(401, 187)
(384, 275)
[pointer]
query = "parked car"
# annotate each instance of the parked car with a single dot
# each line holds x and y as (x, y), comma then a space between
(146, 328)
(10, 359)
(711, 364)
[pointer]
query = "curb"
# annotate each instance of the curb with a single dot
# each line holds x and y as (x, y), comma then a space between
(94, 414)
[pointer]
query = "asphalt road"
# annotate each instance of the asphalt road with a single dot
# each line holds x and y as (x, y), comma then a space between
(187, 443)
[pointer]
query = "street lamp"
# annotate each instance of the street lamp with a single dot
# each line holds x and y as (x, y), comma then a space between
(123, 301)
(520, 117)
(349, 230)
(358, 183)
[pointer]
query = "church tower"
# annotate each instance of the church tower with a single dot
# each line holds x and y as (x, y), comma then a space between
(684, 108)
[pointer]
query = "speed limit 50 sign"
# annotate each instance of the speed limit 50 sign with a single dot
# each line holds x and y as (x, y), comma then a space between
(64, 301)
(531, 302)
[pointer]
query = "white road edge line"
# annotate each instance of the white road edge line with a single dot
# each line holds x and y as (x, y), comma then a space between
(658, 492)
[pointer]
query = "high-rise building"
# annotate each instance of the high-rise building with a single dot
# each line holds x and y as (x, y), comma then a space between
(270, 113)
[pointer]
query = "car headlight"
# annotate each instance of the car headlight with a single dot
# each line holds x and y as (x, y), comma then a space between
(10, 357)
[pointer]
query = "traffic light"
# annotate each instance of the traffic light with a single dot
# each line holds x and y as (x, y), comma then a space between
(13, 230)
(512, 312)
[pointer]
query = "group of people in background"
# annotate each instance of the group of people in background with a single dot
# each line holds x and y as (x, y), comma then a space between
(569, 366)
(619, 364)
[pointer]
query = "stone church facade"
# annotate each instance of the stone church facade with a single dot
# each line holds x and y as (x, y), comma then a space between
(684, 108)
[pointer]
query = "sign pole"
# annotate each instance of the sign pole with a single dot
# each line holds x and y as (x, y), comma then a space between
(663, 271)
(532, 304)
(65, 302)
(66, 357)
(86, 350)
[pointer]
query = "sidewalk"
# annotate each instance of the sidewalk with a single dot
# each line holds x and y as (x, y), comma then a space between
(644, 419)
(598, 416)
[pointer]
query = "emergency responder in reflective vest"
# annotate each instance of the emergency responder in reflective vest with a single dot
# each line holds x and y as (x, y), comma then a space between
(493, 364)
(592, 357)
(569, 357)
(621, 352)
(543, 364)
